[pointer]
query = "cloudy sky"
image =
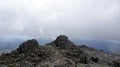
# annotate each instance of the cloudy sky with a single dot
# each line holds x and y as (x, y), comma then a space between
(80, 19)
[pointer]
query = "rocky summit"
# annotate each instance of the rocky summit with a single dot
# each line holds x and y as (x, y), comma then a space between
(62, 41)
(28, 46)
(59, 53)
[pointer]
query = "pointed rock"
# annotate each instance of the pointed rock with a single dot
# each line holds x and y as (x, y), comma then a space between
(63, 41)
(28, 46)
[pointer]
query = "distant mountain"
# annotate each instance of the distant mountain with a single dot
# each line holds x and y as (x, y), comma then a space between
(108, 46)
(9, 44)
(59, 53)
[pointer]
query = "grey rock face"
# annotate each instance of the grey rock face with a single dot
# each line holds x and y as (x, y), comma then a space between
(28, 45)
(59, 53)
(63, 42)
(117, 63)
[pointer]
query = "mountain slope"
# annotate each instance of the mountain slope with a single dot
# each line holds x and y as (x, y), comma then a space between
(109, 46)
(59, 53)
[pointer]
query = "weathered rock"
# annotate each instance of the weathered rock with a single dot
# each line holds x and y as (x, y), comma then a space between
(63, 40)
(59, 53)
(28, 46)
(95, 59)
(117, 63)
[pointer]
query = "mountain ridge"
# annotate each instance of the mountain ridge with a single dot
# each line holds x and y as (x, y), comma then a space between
(109, 46)
(59, 53)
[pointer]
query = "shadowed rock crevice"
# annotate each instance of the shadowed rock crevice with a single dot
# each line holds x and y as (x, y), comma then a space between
(117, 63)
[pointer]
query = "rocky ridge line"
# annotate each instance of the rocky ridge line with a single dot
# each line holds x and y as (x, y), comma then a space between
(59, 53)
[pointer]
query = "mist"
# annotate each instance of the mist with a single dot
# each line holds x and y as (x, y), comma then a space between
(78, 19)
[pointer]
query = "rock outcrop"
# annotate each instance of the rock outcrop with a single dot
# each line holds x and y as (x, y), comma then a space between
(117, 63)
(59, 53)
(28, 46)
(62, 42)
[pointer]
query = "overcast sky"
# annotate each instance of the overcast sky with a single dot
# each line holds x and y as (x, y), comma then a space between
(80, 19)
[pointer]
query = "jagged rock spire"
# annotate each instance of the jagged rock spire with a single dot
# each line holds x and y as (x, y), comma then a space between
(28, 45)
(63, 40)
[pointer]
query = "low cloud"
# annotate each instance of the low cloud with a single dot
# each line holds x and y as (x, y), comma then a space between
(84, 19)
